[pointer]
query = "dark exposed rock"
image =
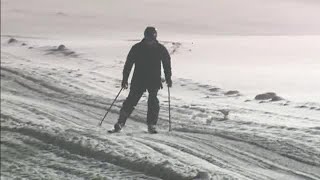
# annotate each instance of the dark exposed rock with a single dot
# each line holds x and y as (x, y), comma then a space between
(302, 106)
(232, 93)
(12, 40)
(69, 53)
(214, 89)
(61, 47)
(61, 50)
(261, 102)
(225, 113)
(265, 96)
(277, 98)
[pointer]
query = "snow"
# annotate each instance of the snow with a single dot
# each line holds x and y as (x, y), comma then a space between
(256, 64)
(52, 100)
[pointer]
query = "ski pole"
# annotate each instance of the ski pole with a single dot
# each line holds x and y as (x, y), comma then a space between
(169, 109)
(110, 107)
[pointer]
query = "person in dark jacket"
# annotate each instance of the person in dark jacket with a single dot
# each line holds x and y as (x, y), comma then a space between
(147, 56)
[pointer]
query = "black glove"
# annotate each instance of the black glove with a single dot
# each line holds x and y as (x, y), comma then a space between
(169, 82)
(124, 84)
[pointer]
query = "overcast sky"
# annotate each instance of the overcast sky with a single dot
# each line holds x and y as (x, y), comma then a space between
(237, 17)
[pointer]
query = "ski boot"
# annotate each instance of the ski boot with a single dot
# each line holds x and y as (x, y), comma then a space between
(117, 128)
(152, 129)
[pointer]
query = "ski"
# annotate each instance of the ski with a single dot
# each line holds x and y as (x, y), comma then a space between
(113, 131)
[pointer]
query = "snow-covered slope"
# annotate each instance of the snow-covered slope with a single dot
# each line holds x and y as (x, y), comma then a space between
(52, 99)
(52, 103)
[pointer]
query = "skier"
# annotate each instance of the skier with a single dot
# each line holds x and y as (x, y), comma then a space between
(147, 57)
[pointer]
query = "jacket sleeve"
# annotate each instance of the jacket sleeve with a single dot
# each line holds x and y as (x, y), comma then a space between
(128, 65)
(166, 63)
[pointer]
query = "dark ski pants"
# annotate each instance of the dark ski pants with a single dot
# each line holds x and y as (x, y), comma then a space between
(133, 99)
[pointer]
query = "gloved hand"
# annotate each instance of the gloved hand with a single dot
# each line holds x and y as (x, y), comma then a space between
(124, 84)
(169, 82)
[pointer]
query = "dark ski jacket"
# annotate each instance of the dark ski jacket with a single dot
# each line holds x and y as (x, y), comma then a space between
(147, 59)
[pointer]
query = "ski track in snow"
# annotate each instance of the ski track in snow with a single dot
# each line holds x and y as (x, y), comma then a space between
(50, 113)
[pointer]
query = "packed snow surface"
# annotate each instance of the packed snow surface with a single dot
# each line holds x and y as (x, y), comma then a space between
(245, 102)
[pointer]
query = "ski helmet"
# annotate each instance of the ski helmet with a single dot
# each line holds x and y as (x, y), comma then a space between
(150, 33)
